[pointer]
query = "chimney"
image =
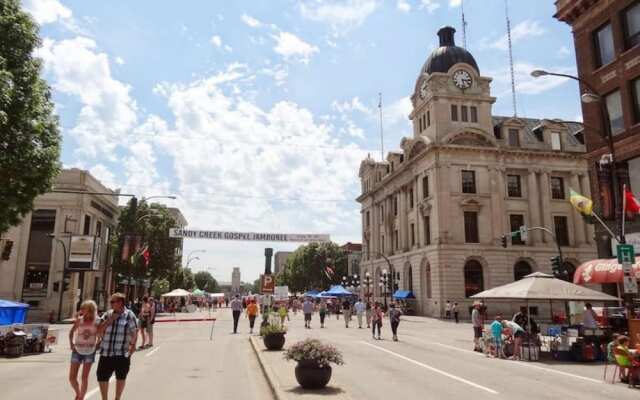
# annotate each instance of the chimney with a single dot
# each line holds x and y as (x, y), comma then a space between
(446, 36)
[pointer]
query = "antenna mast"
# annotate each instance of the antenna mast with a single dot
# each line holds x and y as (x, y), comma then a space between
(513, 79)
(381, 132)
(464, 26)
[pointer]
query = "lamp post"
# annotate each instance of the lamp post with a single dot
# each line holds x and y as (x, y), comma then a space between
(385, 278)
(367, 281)
(351, 282)
(65, 263)
(592, 96)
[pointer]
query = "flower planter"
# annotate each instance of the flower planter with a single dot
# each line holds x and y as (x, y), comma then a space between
(273, 341)
(311, 376)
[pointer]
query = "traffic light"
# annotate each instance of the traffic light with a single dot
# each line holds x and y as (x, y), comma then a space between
(6, 250)
(557, 267)
(504, 241)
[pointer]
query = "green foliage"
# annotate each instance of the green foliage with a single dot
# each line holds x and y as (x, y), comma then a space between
(160, 287)
(314, 350)
(255, 288)
(29, 132)
(305, 268)
(274, 326)
(205, 281)
(182, 278)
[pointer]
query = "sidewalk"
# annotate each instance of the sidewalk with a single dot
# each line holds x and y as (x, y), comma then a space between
(281, 376)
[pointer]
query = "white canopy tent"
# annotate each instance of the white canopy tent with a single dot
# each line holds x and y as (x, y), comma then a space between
(218, 295)
(177, 293)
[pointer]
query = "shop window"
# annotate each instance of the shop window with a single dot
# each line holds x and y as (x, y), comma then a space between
(514, 187)
(36, 277)
(562, 230)
(471, 227)
(464, 113)
(631, 19)
(515, 222)
(521, 269)
(468, 181)
(514, 138)
(603, 41)
(454, 112)
(473, 279)
(557, 188)
(425, 186)
(474, 114)
(613, 103)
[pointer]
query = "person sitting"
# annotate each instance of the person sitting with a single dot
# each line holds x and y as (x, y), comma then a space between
(625, 359)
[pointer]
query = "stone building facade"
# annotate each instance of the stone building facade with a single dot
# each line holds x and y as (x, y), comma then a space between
(33, 272)
(437, 209)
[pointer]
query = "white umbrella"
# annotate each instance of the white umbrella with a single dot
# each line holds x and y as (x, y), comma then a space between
(177, 293)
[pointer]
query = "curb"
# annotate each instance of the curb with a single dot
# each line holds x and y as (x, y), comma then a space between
(266, 370)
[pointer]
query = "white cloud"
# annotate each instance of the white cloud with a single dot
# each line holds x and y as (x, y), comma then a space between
(290, 46)
(340, 15)
(351, 105)
(429, 5)
(228, 48)
(279, 73)
(104, 175)
(250, 21)
(216, 41)
(523, 30)
(398, 112)
(525, 83)
(107, 110)
(455, 3)
(403, 6)
(119, 60)
(563, 51)
(47, 11)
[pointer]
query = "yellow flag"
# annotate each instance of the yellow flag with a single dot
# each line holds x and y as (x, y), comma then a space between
(580, 203)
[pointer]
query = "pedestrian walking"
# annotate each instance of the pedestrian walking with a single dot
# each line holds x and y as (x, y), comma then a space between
(145, 313)
(346, 311)
(476, 321)
(360, 309)
(394, 318)
(307, 310)
(119, 332)
(322, 310)
(252, 313)
(447, 310)
(83, 339)
(226, 302)
(236, 310)
(368, 314)
(454, 309)
(152, 320)
(376, 319)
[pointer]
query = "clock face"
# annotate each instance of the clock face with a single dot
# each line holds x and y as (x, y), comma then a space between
(462, 79)
(423, 89)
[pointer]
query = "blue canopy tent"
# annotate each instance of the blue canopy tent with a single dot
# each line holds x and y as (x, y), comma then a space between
(12, 312)
(311, 293)
(336, 291)
(403, 295)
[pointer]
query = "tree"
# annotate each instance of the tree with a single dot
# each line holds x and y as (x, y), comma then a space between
(205, 281)
(160, 287)
(255, 288)
(29, 132)
(307, 268)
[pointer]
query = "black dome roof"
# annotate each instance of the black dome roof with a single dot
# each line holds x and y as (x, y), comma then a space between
(448, 54)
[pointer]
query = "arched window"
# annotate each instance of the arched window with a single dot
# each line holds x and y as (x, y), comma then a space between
(473, 279)
(521, 269)
(428, 280)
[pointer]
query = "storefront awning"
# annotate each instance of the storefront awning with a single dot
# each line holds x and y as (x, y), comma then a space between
(403, 295)
(602, 271)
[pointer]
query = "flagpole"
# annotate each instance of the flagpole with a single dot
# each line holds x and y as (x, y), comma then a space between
(624, 205)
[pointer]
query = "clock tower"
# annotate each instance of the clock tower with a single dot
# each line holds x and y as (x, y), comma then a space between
(451, 98)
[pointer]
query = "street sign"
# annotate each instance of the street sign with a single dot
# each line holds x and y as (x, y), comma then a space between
(626, 253)
(524, 234)
(268, 284)
(630, 284)
(84, 253)
(627, 269)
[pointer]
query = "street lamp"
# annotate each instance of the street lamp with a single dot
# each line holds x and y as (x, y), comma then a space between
(367, 281)
(65, 263)
(191, 259)
(351, 282)
(589, 97)
(158, 197)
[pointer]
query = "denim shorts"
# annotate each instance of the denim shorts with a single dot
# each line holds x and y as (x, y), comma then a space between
(82, 358)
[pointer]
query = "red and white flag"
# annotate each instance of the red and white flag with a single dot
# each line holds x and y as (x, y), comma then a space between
(329, 272)
(632, 204)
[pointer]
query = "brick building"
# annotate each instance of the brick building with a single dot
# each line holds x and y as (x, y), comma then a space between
(606, 36)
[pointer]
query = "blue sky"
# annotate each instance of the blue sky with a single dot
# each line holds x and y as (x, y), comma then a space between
(256, 114)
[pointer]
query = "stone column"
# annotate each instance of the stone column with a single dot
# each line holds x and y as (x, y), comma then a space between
(545, 210)
(578, 222)
(534, 207)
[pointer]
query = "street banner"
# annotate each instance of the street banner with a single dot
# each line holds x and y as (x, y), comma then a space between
(84, 253)
(281, 293)
(248, 236)
(268, 284)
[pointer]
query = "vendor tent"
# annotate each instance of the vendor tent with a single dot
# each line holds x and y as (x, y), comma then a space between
(12, 312)
(602, 271)
(336, 291)
(198, 292)
(218, 295)
(540, 286)
(311, 293)
(177, 293)
(403, 295)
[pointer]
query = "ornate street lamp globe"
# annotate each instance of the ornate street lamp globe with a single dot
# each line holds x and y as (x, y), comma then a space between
(448, 54)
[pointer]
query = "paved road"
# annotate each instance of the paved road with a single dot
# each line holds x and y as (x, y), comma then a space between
(433, 360)
(183, 364)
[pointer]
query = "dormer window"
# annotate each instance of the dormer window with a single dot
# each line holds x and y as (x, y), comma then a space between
(537, 132)
(555, 141)
(514, 138)
(497, 132)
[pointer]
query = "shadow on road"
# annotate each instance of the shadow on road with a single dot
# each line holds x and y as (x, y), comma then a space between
(327, 391)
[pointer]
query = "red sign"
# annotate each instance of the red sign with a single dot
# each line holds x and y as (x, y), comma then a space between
(268, 284)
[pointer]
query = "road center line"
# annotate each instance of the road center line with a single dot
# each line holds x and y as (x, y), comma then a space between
(149, 354)
(436, 370)
(96, 390)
